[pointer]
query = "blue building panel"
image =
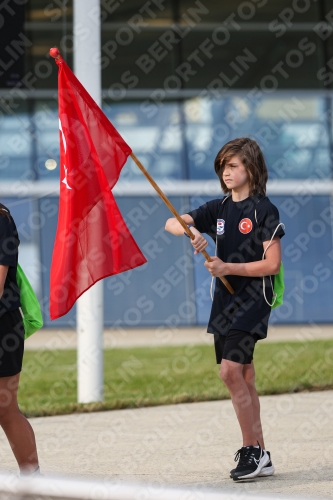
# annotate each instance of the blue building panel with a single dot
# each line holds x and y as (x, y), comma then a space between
(158, 293)
(173, 288)
(161, 291)
(308, 259)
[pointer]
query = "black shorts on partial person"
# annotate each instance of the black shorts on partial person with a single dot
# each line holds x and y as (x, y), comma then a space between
(237, 346)
(11, 343)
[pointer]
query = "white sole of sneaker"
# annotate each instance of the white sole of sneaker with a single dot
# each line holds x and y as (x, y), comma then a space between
(267, 471)
(264, 461)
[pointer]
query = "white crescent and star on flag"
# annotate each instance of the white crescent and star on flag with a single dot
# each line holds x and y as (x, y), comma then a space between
(63, 138)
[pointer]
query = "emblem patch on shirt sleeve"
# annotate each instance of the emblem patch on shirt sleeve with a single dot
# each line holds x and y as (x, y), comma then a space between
(220, 226)
(245, 226)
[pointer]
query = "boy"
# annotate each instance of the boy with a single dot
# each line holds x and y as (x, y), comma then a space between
(245, 226)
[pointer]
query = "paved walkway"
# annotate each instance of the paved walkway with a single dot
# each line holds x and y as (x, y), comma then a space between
(189, 444)
(160, 336)
(192, 445)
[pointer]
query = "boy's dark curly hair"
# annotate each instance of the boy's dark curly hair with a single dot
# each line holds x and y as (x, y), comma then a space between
(252, 158)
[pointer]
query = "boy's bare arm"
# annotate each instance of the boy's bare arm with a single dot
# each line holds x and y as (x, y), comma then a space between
(172, 225)
(269, 266)
(3, 275)
(199, 242)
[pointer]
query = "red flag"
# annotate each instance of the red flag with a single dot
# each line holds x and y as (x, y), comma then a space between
(92, 239)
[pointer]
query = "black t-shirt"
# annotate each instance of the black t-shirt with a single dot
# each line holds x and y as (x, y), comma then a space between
(240, 236)
(9, 243)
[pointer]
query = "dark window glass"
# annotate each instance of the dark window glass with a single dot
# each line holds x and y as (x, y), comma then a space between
(248, 59)
(15, 142)
(293, 132)
(123, 11)
(12, 41)
(39, 11)
(46, 128)
(29, 135)
(41, 69)
(156, 138)
(156, 53)
(128, 63)
(264, 11)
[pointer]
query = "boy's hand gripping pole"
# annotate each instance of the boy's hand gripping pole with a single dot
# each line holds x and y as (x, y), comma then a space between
(176, 214)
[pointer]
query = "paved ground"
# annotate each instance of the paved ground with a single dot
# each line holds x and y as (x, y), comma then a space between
(66, 339)
(192, 444)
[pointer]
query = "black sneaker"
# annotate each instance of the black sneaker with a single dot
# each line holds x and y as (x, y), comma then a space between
(251, 461)
(268, 469)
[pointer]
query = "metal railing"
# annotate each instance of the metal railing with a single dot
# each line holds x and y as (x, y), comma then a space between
(171, 187)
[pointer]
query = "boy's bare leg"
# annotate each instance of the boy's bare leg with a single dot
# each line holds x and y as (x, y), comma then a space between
(250, 377)
(18, 430)
(232, 375)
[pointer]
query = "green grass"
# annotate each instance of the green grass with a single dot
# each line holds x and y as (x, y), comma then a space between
(166, 375)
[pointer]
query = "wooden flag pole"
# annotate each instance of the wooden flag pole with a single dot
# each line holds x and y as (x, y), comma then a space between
(176, 214)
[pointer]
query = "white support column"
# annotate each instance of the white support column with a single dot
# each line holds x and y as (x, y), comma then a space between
(90, 317)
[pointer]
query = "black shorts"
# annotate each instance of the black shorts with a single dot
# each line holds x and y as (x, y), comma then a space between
(237, 346)
(11, 343)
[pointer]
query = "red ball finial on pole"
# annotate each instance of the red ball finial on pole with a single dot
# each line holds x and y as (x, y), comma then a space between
(54, 52)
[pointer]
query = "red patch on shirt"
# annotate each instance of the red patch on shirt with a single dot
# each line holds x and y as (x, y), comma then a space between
(245, 226)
